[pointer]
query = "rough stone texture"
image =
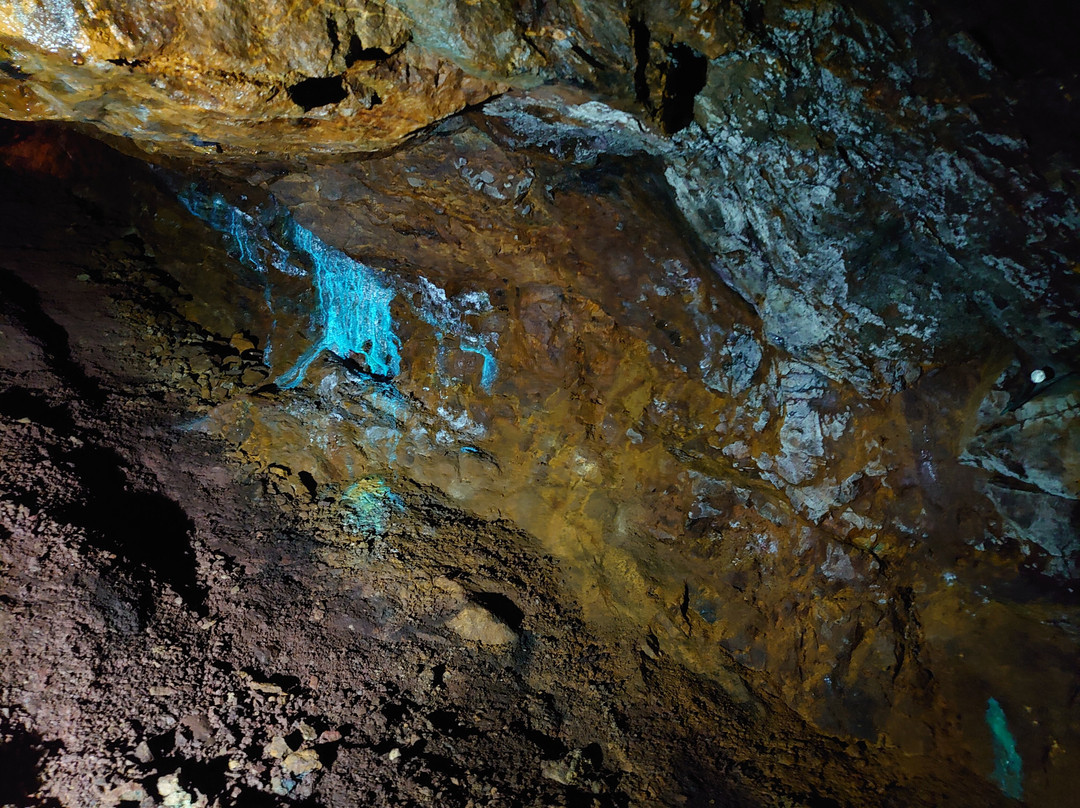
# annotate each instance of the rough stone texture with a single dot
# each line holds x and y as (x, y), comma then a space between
(719, 342)
(231, 77)
(190, 621)
(476, 624)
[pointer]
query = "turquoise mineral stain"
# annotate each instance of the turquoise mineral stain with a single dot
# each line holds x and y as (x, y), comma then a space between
(447, 317)
(223, 217)
(490, 370)
(368, 506)
(1007, 762)
(353, 312)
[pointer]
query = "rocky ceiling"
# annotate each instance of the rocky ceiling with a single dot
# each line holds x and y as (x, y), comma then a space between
(578, 404)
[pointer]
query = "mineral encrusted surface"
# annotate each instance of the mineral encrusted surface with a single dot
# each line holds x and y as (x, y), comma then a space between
(510, 404)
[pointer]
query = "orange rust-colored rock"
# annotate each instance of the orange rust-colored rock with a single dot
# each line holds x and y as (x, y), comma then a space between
(733, 321)
(229, 78)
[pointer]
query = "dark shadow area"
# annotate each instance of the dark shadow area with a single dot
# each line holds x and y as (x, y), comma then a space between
(550, 748)
(449, 723)
(22, 754)
(394, 712)
(250, 798)
(500, 606)
(358, 53)
(1026, 39)
(145, 528)
(318, 92)
(12, 72)
(309, 483)
(684, 79)
(639, 36)
(207, 777)
(22, 301)
(18, 402)
(1034, 44)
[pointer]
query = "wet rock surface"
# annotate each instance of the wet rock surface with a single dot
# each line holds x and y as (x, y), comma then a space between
(698, 428)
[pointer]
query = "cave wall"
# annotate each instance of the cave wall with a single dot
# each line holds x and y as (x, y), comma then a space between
(733, 308)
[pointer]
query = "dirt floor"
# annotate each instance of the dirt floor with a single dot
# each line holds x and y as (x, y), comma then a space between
(183, 626)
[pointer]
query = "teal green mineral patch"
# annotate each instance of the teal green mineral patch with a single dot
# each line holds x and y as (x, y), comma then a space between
(369, 504)
(1007, 763)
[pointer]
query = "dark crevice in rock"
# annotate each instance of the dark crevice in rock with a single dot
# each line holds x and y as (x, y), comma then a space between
(358, 53)
(639, 37)
(318, 92)
(128, 62)
(683, 80)
(12, 72)
(588, 58)
(753, 12)
(310, 484)
(332, 34)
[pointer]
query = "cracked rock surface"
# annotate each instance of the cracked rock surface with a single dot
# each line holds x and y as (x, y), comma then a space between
(558, 404)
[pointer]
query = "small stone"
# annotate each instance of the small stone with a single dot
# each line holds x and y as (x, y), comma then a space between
(168, 785)
(240, 343)
(394, 754)
(200, 364)
(143, 753)
(252, 377)
(307, 732)
(173, 795)
(477, 624)
(267, 688)
(558, 771)
(131, 792)
(277, 748)
(303, 762)
(282, 785)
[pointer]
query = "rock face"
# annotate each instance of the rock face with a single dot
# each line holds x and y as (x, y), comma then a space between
(232, 77)
(757, 322)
